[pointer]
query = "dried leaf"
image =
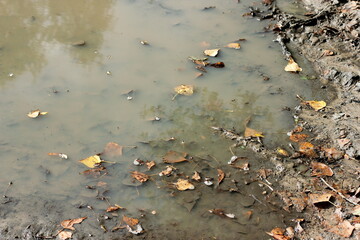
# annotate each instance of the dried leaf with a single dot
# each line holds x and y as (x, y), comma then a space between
(332, 153)
(63, 235)
(184, 184)
(150, 164)
(282, 152)
(233, 45)
(221, 213)
(307, 149)
(299, 203)
(249, 132)
(94, 172)
(92, 161)
(167, 171)
(212, 52)
(36, 113)
(297, 129)
(278, 234)
(196, 176)
(112, 149)
(327, 53)
(141, 177)
(343, 229)
(130, 221)
(292, 66)
(298, 137)
(113, 208)
(320, 198)
(174, 157)
(218, 65)
(316, 105)
(68, 224)
(342, 142)
(356, 211)
(321, 169)
(184, 89)
(221, 175)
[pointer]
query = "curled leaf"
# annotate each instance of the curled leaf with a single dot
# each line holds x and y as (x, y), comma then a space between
(167, 172)
(196, 176)
(292, 66)
(64, 235)
(150, 164)
(282, 152)
(113, 208)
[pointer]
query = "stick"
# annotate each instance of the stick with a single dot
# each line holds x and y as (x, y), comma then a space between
(340, 194)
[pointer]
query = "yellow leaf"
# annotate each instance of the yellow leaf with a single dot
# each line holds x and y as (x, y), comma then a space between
(212, 52)
(91, 161)
(282, 152)
(249, 132)
(184, 89)
(292, 66)
(233, 45)
(183, 184)
(36, 113)
(316, 105)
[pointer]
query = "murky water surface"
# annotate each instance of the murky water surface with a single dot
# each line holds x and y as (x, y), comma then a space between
(84, 89)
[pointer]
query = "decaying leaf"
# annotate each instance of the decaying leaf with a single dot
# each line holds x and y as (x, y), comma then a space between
(221, 213)
(221, 175)
(130, 221)
(212, 52)
(196, 176)
(307, 149)
(64, 235)
(278, 234)
(316, 105)
(141, 177)
(150, 164)
(36, 113)
(233, 45)
(112, 149)
(320, 198)
(332, 153)
(94, 172)
(218, 65)
(92, 161)
(184, 184)
(249, 132)
(282, 152)
(113, 208)
(167, 172)
(321, 169)
(343, 229)
(174, 157)
(292, 66)
(298, 137)
(298, 203)
(68, 224)
(184, 89)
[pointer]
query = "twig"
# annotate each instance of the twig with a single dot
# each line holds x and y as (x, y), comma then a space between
(340, 194)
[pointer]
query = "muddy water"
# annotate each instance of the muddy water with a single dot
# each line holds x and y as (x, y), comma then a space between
(84, 90)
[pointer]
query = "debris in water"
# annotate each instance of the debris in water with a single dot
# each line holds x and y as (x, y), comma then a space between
(68, 224)
(292, 66)
(61, 155)
(36, 113)
(212, 52)
(233, 45)
(141, 177)
(92, 161)
(174, 157)
(184, 184)
(208, 181)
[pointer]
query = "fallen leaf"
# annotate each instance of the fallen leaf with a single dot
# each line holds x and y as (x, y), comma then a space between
(278, 234)
(113, 208)
(233, 45)
(327, 53)
(212, 52)
(249, 132)
(94, 171)
(321, 169)
(130, 221)
(167, 171)
(298, 203)
(316, 105)
(141, 177)
(197, 75)
(63, 235)
(333, 153)
(174, 157)
(184, 184)
(112, 149)
(221, 175)
(342, 142)
(150, 164)
(68, 224)
(320, 198)
(297, 129)
(92, 161)
(343, 229)
(356, 211)
(307, 149)
(264, 173)
(184, 89)
(36, 113)
(196, 176)
(248, 214)
(282, 152)
(292, 66)
(221, 213)
(218, 65)
(299, 137)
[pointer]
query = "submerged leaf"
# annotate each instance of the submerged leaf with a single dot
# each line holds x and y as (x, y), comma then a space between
(68, 224)
(92, 161)
(282, 152)
(212, 52)
(184, 184)
(167, 171)
(184, 89)
(141, 177)
(249, 132)
(112, 149)
(316, 105)
(174, 157)
(292, 66)
(113, 208)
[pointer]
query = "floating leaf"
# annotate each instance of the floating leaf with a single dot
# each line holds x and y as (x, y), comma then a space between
(196, 176)
(150, 164)
(316, 105)
(212, 52)
(141, 177)
(299, 137)
(184, 89)
(221, 175)
(64, 235)
(320, 198)
(68, 224)
(174, 157)
(92, 161)
(167, 171)
(343, 229)
(130, 221)
(292, 66)
(184, 184)
(113, 208)
(36, 113)
(321, 169)
(249, 132)
(233, 45)
(112, 149)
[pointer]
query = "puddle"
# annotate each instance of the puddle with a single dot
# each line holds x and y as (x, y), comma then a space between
(84, 90)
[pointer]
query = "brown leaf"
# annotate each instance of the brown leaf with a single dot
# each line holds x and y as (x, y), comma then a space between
(167, 171)
(248, 214)
(141, 177)
(196, 176)
(278, 234)
(68, 224)
(307, 149)
(320, 198)
(63, 235)
(221, 213)
(299, 203)
(343, 229)
(249, 132)
(297, 129)
(112, 149)
(184, 184)
(150, 164)
(264, 173)
(221, 175)
(328, 53)
(332, 153)
(321, 169)
(298, 137)
(94, 172)
(218, 65)
(130, 221)
(174, 157)
(113, 208)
